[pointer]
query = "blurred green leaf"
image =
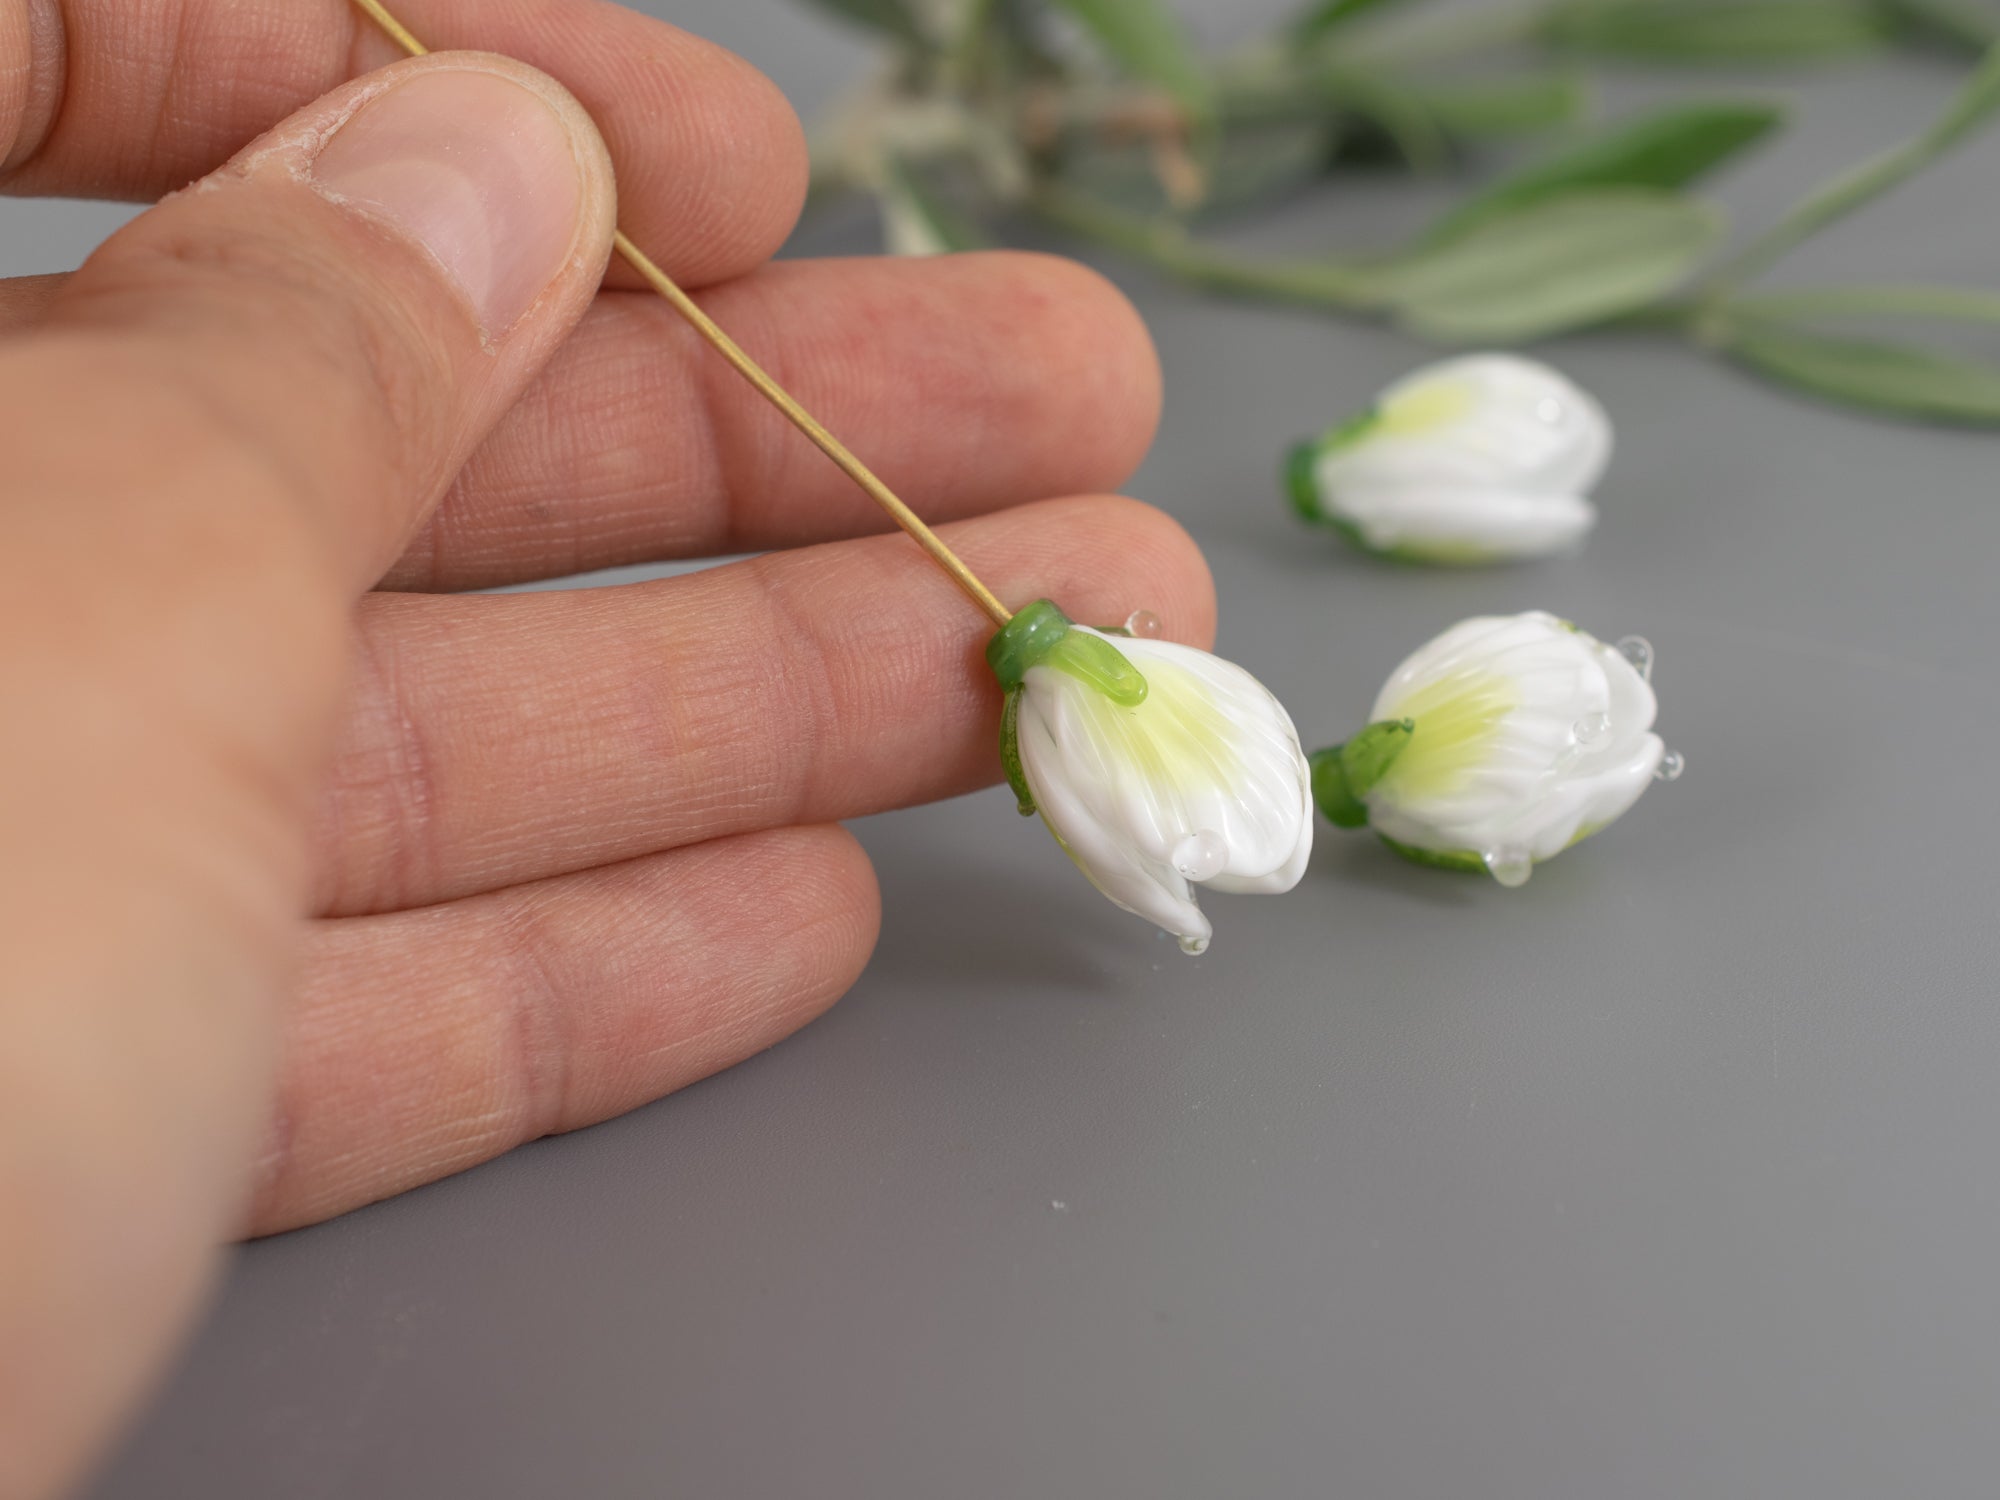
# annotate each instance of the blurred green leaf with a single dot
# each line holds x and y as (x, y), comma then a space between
(1556, 264)
(1807, 337)
(1950, 304)
(1955, 26)
(1251, 165)
(1326, 16)
(919, 217)
(1666, 149)
(1719, 31)
(1900, 379)
(1401, 116)
(1504, 106)
(1144, 38)
(1254, 166)
(1968, 112)
(894, 17)
(1374, 116)
(1167, 245)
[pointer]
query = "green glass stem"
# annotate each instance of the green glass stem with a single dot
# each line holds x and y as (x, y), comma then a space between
(1042, 635)
(1343, 775)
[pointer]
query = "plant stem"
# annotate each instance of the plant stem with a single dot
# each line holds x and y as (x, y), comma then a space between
(1956, 304)
(1263, 96)
(968, 50)
(1854, 189)
(1675, 316)
(1947, 23)
(1165, 245)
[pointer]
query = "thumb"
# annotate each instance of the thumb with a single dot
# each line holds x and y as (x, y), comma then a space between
(231, 415)
(353, 301)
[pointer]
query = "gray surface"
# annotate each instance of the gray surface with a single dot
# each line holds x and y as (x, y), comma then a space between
(1669, 1175)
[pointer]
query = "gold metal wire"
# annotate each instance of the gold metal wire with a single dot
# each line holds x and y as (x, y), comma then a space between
(768, 388)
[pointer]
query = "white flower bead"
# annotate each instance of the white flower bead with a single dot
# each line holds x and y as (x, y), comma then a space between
(1158, 767)
(1484, 458)
(1500, 744)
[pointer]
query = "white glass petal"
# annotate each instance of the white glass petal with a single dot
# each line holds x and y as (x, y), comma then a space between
(1202, 783)
(1440, 522)
(1480, 458)
(1529, 735)
(1148, 888)
(1488, 419)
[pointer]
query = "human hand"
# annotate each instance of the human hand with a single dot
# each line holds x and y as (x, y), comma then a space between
(322, 884)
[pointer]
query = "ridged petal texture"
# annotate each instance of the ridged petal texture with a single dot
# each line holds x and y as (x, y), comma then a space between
(1530, 734)
(1203, 783)
(1483, 458)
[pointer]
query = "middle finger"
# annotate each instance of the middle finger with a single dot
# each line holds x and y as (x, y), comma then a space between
(493, 740)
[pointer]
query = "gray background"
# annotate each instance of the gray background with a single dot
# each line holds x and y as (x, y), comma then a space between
(1669, 1175)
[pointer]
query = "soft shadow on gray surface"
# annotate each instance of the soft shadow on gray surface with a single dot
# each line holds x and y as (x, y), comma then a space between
(948, 923)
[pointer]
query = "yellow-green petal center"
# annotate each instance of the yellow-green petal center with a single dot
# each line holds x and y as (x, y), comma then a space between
(1457, 719)
(1424, 407)
(1176, 738)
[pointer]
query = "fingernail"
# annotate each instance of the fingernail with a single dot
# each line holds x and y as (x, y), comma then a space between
(476, 168)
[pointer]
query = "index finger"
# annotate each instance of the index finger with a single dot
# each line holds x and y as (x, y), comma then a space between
(136, 98)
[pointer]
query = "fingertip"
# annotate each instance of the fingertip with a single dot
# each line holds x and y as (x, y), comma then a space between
(1170, 552)
(491, 166)
(597, 215)
(1090, 348)
(779, 151)
(1119, 555)
(1120, 386)
(840, 940)
(713, 191)
(797, 913)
